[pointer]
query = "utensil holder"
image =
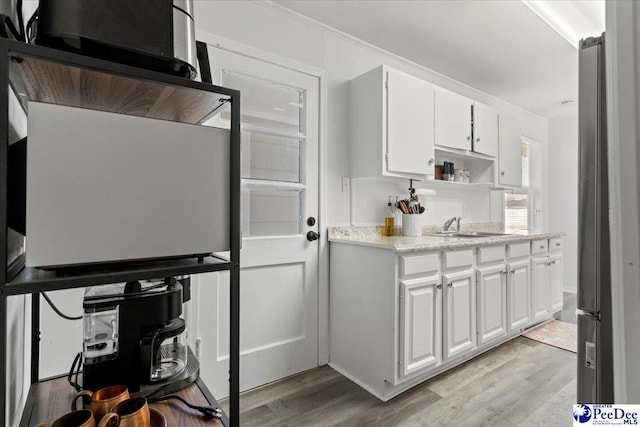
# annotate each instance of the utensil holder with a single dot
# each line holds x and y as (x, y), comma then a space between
(412, 225)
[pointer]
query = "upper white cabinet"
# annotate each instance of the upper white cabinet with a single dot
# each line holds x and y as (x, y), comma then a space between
(392, 125)
(485, 129)
(452, 120)
(464, 124)
(509, 171)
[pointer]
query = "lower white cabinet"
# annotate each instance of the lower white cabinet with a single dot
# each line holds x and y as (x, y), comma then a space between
(420, 324)
(460, 313)
(547, 279)
(540, 288)
(556, 281)
(519, 293)
(410, 316)
(492, 303)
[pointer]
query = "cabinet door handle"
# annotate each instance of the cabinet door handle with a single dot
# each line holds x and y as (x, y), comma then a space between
(430, 162)
(502, 173)
(553, 262)
(450, 285)
(558, 245)
(513, 271)
(542, 247)
(439, 286)
(478, 139)
(504, 272)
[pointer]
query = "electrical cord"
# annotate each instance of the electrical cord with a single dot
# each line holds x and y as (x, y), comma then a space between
(58, 312)
(7, 24)
(31, 30)
(77, 361)
(208, 412)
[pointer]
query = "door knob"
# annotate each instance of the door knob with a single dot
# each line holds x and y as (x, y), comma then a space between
(312, 235)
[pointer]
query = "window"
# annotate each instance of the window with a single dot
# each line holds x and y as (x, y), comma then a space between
(520, 206)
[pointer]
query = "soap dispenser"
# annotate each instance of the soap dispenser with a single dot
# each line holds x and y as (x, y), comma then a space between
(389, 220)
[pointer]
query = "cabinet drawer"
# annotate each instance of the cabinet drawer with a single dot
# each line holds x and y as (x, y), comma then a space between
(415, 264)
(517, 250)
(555, 244)
(538, 246)
(490, 254)
(454, 259)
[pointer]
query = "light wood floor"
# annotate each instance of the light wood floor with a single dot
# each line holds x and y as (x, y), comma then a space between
(521, 383)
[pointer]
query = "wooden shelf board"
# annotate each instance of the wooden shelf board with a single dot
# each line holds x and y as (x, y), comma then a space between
(31, 279)
(42, 80)
(48, 400)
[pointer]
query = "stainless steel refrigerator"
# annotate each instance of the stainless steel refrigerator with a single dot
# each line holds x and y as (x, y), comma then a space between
(595, 356)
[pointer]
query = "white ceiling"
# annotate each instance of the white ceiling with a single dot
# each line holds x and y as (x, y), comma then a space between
(499, 47)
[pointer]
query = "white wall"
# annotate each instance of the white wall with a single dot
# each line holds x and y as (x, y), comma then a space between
(268, 27)
(563, 193)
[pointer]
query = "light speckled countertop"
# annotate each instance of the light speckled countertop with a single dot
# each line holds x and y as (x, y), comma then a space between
(371, 236)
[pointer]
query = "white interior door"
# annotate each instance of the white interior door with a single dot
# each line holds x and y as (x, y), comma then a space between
(279, 265)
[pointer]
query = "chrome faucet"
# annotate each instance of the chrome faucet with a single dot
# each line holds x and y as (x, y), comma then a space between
(447, 224)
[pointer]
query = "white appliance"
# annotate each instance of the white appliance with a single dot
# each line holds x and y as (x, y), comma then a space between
(105, 187)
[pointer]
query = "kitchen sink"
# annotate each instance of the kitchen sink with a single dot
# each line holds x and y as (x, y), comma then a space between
(469, 234)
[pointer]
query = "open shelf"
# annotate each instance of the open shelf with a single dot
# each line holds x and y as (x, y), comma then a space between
(50, 399)
(31, 279)
(452, 185)
(59, 79)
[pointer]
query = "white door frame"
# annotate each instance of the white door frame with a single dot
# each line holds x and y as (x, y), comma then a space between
(323, 249)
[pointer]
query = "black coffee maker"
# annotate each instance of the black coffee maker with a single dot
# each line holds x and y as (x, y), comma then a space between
(134, 335)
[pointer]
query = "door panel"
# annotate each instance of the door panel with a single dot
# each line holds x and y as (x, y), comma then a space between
(519, 289)
(460, 316)
(409, 124)
(540, 287)
(485, 126)
(279, 266)
(556, 280)
(421, 314)
(492, 304)
(452, 120)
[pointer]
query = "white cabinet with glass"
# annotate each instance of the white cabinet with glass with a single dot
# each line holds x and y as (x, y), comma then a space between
(391, 119)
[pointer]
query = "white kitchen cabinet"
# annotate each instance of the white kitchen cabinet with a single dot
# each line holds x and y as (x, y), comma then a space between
(458, 118)
(485, 129)
(540, 287)
(556, 281)
(460, 313)
(410, 316)
(519, 291)
(492, 302)
(392, 125)
(509, 170)
(420, 324)
(547, 278)
(452, 120)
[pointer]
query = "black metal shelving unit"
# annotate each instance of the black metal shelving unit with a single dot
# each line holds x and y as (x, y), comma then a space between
(36, 73)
